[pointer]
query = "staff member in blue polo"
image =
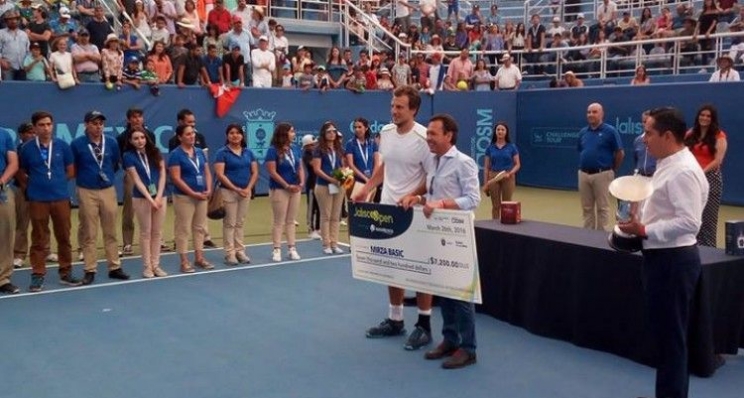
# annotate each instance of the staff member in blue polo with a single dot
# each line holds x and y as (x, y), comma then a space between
(8, 169)
(362, 155)
(97, 158)
(645, 164)
(46, 163)
(600, 155)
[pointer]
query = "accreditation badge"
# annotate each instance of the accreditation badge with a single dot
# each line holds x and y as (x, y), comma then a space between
(152, 189)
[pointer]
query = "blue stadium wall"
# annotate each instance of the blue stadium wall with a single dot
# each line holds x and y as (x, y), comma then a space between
(544, 123)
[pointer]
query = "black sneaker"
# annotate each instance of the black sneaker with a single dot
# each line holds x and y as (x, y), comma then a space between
(118, 274)
(418, 338)
(165, 248)
(37, 283)
(69, 280)
(209, 244)
(386, 328)
(89, 277)
(9, 288)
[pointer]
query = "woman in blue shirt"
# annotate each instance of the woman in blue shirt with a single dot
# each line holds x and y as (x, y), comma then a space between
(361, 155)
(329, 156)
(500, 156)
(236, 169)
(192, 180)
(287, 177)
(145, 167)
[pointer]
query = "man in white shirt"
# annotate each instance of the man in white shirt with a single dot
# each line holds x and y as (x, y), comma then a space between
(403, 150)
(725, 72)
(556, 28)
(243, 12)
(402, 15)
(264, 63)
(508, 76)
(668, 223)
(436, 74)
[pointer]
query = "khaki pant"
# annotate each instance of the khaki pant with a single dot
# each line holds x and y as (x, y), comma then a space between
(151, 230)
(236, 207)
(595, 198)
(20, 247)
(60, 213)
(284, 205)
(191, 219)
(99, 206)
(7, 234)
(330, 214)
(127, 212)
(501, 191)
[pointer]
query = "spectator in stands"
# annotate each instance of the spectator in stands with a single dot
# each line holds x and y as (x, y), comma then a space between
(306, 79)
(14, 45)
(112, 60)
(233, 68)
(453, 8)
(64, 26)
(641, 77)
(725, 72)
(482, 77)
(647, 27)
(287, 79)
(189, 171)
(618, 51)
(707, 141)
(240, 37)
(186, 29)
(556, 28)
(628, 25)
(370, 73)
(384, 82)
(60, 61)
(536, 42)
(36, 66)
(236, 169)
(213, 65)
(402, 14)
(167, 10)
(508, 77)
(5, 6)
(606, 15)
(553, 56)
(24, 7)
(727, 10)
(435, 44)
(580, 28)
(461, 36)
(99, 28)
(86, 11)
(192, 71)
(688, 48)
(706, 26)
(461, 69)
(449, 45)
(258, 25)
(437, 72)
(243, 11)
(87, 58)
(279, 44)
(130, 43)
(664, 24)
(132, 75)
(264, 64)
(658, 57)
(336, 67)
(141, 21)
(474, 17)
(494, 44)
(429, 14)
(500, 156)
(38, 29)
(737, 24)
(358, 82)
(401, 72)
(160, 31)
(212, 36)
(220, 17)
(683, 12)
(571, 80)
(162, 62)
(493, 18)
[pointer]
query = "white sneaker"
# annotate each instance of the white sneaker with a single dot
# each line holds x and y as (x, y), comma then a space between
(296, 223)
(314, 235)
(81, 257)
(17, 263)
(343, 222)
(327, 250)
(52, 258)
(337, 250)
(293, 255)
(276, 255)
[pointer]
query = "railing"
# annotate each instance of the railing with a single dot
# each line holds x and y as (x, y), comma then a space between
(554, 62)
(374, 35)
(313, 10)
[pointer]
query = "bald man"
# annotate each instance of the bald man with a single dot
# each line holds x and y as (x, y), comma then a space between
(600, 155)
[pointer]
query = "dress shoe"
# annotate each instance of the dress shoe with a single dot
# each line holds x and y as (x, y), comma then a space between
(444, 349)
(459, 359)
(88, 278)
(118, 274)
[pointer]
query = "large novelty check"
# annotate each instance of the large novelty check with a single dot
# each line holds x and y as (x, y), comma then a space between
(403, 248)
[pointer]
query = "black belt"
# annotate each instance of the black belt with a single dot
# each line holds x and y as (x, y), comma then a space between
(594, 171)
(646, 173)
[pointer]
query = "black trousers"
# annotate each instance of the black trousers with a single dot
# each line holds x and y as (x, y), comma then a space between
(670, 277)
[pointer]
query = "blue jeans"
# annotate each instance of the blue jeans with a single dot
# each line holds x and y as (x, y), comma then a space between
(458, 326)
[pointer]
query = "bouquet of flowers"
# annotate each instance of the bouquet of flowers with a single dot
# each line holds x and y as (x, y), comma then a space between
(345, 176)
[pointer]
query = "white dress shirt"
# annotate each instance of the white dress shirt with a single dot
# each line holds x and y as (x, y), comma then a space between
(453, 176)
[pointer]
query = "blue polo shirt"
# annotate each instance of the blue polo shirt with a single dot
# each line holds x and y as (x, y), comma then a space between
(132, 158)
(502, 158)
(40, 187)
(6, 145)
(189, 170)
(285, 167)
(87, 168)
(237, 168)
(360, 150)
(213, 66)
(597, 147)
(644, 162)
(327, 164)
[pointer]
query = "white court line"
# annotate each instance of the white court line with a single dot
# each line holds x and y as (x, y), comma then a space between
(180, 275)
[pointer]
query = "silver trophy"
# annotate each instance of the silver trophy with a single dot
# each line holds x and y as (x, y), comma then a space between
(628, 190)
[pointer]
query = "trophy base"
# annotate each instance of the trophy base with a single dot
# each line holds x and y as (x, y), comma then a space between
(624, 242)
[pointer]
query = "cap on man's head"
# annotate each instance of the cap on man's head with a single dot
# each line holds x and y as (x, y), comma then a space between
(10, 14)
(64, 12)
(93, 116)
(26, 127)
(308, 139)
(556, 19)
(133, 59)
(34, 44)
(580, 15)
(263, 38)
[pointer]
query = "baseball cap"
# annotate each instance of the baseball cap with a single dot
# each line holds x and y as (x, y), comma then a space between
(64, 12)
(94, 115)
(132, 59)
(264, 38)
(580, 15)
(308, 139)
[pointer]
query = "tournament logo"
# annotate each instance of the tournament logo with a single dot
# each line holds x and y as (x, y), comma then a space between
(259, 126)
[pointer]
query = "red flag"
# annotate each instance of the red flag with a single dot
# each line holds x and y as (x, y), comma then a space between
(225, 97)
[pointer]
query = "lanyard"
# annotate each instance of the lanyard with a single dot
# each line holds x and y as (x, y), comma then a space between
(195, 164)
(291, 158)
(146, 164)
(103, 152)
(332, 158)
(48, 160)
(364, 153)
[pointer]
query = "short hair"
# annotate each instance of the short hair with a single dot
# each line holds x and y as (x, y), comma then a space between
(669, 119)
(181, 116)
(182, 128)
(134, 112)
(414, 99)
(211, 47)
(449, 124)
(38, 115)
